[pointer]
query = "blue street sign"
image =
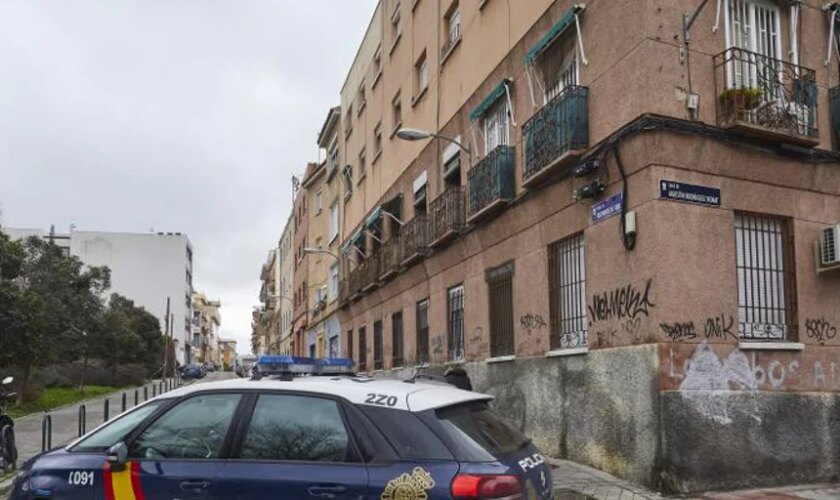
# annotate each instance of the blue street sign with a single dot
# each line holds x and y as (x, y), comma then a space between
(689, 193)
(607, 208)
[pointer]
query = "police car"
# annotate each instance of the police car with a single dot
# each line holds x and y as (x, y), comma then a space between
(302, 428)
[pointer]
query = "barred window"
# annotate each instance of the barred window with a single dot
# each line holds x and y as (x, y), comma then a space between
(766, 283)
(422, 340)
(455, 310)
(500, 291)
(397, 339)
(362, 349)
(377, 345)
(567, 293)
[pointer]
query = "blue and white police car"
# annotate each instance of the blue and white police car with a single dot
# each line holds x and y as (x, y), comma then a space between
(302, 428)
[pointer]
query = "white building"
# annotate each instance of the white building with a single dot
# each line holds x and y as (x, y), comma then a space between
(147, 268)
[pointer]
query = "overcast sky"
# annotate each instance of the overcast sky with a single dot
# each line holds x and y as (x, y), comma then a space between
(177, 115)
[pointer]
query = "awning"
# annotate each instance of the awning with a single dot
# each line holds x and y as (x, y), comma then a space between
(354, 240)
(373, 218)
(558, 29)
(497, 92)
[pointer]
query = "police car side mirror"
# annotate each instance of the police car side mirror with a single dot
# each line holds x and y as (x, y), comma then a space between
(117, 456)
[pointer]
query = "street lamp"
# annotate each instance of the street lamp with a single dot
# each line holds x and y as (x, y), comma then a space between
(413, 134)
(312, 250)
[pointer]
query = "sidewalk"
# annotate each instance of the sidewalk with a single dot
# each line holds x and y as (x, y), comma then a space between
(573, 481)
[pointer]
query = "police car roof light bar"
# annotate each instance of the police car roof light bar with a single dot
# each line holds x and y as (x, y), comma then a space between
(297, 365)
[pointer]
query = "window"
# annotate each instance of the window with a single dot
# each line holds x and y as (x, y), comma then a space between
(500, 289)
(396, 28)
(559, 67)
(475, 433)
(410, 437)
(567, 293)
(397, 339)
(193, 429)
(348, 120)
(496, 131)
(332, 157)
(318, 203)
(361, 100)
(377, 65)
(362, 349)
(347, 175)
(362, 163)
(766, 283)
(333, 221)
(296, 428)
(753, 25)
(422, 347)
(377, 141)
(117, 429)
(421, 68)
(350, 344)
(396, 107)
(333, 347)
(452, 23)
(377, 345)
(333, 282)
(452, 171)
(455, 328)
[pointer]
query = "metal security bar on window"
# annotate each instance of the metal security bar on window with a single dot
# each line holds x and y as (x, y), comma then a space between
(397, 339)
(761, 91)
(765, 280)
(567, 293)
(492, 179)
(500, 288)
(455, 309)
(377, 345)
(562, 125)
(362, 349)
(422, 346)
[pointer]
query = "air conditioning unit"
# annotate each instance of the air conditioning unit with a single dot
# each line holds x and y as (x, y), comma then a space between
(828, 249)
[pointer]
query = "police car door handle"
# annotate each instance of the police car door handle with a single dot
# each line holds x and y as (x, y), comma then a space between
(326, 491)
(195, 486)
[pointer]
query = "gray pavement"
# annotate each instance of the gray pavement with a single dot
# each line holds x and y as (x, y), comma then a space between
(65, 420)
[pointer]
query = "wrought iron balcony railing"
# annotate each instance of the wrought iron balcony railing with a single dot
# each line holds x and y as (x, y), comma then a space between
(446, 216)
(391, 257)
(369, 270)
(414, 239)
(491, 184)
(344, 291)
(557, 134)
(766, 97)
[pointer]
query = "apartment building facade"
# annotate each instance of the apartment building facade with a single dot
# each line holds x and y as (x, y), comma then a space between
(301, 283)
(285, 292)
(206, 322)
(148, 268)
(619, 227)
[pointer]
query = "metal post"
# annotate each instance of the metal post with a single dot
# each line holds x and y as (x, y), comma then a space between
(154, 390)
(82, 420)
(136, 396)
(145, 393)
(46, 432)
(106, 410)
(162, 387)
(124, 402)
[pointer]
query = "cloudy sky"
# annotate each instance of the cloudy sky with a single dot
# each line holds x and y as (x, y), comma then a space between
(177, 115)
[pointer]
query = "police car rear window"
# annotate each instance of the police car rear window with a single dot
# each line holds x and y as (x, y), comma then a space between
(474, 432)
(409, 436)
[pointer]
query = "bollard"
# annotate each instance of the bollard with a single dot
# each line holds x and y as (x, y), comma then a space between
(145, 393)
(106, 410)
(154, 390)
(136, 396)
(124, 403)
(46, 432)
(82, 420)
(162, 387)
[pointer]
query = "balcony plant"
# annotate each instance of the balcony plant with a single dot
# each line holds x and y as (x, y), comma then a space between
(743, 98)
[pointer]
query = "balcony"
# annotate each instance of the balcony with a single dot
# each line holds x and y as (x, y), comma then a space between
(556, 135)
(414, 239)
(344, 293)
(369, 271)
(491, 184)
(446, 216)
(390, 257)
(766, 98)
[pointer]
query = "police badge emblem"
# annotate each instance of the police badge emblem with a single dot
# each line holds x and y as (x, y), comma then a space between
(409, 487)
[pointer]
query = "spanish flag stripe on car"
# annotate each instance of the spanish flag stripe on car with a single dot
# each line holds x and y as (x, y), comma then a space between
(124, 484)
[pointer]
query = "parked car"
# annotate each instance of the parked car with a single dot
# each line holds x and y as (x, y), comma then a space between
(334, 436)
(210, 366)
(192, 371)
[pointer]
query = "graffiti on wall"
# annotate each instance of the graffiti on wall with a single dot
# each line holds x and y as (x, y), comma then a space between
(437, 344)
(718, 327)
(627, 302)
(531, 322)
(820, 330)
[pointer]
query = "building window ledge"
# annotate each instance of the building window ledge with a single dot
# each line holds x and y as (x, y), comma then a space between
(361, 178)
(482, 4)
(376, 78)
(557, 353)
(394, 45)
(362, 107)
(376, 157)
(416, 98)
(397, 126)
(450, 50)
(746, 345)
(500, 359)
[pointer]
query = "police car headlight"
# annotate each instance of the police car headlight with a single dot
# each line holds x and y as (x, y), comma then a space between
(25, 486)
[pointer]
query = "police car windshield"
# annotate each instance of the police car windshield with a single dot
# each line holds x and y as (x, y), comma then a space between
(116, 430)
(475, 433)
